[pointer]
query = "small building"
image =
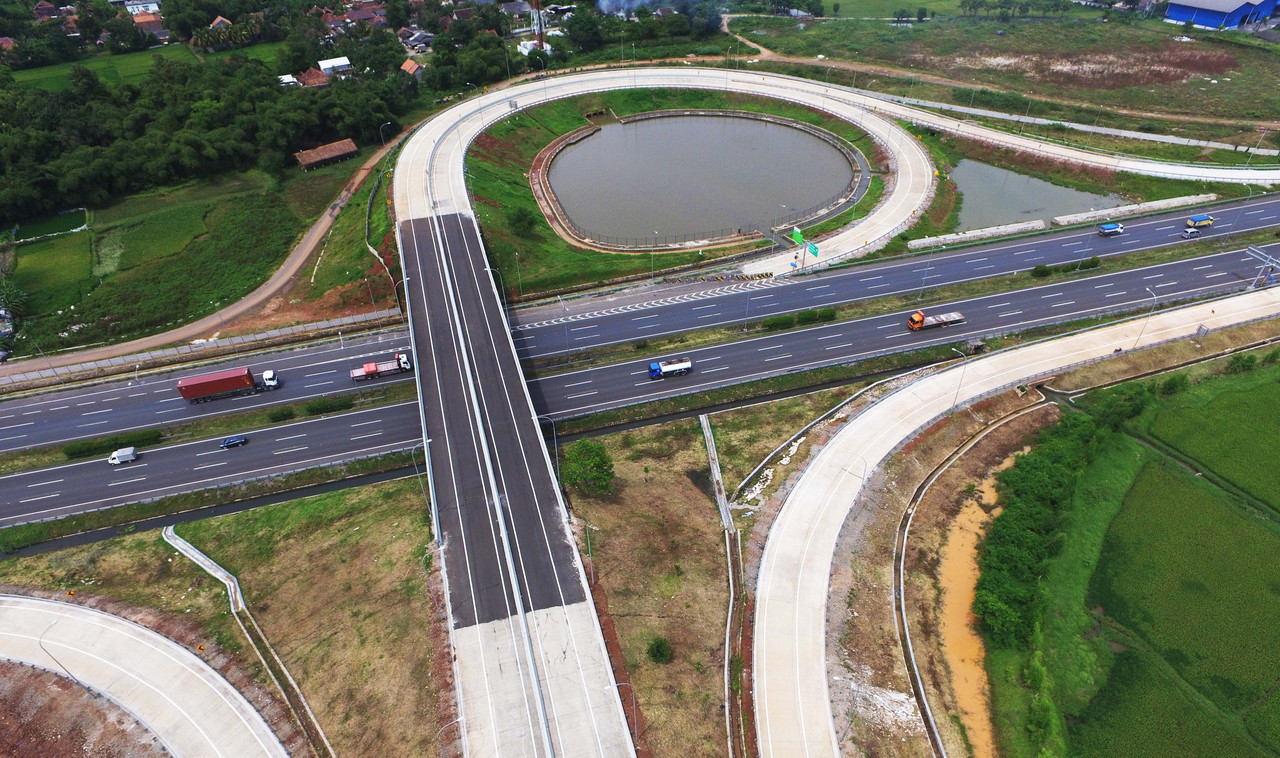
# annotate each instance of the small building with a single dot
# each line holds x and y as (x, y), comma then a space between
(134, 7)
(220, 23)
(339, 67)
(420, 41)
(326, 154)
(152, 23)
(1219, 14)
(516, 8)
(45, 10)
(8, 43)
(289, 80)
(412, 68)
(524, 47)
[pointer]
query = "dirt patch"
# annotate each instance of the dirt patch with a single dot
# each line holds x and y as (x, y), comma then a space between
(963, 648)
(658, 554)
(1094, 70)
(44, 715)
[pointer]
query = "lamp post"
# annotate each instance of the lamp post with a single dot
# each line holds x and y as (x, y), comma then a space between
(964, 364)
(1248, 160)
(136, 366)
(555, 444)
(634, 724)
(385, 124)
(370, 286)
(1154, 300)
(416, 473)
(502, 284)
(40, 640)
(651, 252)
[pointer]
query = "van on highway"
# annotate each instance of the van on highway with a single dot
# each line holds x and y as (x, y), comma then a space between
(123, 455)
(1201, 221)
(1190, 233)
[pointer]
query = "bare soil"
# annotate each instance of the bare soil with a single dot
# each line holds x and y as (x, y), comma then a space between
(963, 649)
(45, 715)
(658, 554)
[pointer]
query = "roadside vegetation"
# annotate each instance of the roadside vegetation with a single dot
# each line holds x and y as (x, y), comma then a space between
(1119, 584)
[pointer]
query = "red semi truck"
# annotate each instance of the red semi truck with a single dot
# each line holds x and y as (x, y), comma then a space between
(235, 381)
(382, 368)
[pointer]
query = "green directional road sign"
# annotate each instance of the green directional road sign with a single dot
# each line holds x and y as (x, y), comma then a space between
(813, 248)
(795, 235)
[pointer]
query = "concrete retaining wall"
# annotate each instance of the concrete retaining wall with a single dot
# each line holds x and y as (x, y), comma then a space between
(1132, 210)
(976, 234)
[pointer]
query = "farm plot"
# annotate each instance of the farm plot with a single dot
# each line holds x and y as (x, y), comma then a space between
(55, 272)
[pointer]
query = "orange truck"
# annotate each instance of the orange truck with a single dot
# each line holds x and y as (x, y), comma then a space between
(920, 321)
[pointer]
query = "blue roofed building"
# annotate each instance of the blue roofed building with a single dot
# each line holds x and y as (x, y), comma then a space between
(1219, 14)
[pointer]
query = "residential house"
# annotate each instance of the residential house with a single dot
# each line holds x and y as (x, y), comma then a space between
(412, 68)
(134, 7)
(325, 154)
(45, 10)
(356, 15)
(463, 14)
(153, 23)
(312, 77)
(339, 67)
(289, 80)
(8, 43)
(220, 23)
(516, 8)
(420, 41)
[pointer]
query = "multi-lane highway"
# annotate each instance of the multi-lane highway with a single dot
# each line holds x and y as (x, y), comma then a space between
(91, 484)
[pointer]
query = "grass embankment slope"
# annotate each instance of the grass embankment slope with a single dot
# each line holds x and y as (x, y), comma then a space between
(1148, 628)
(540, 261)
(167, 257)
(337, 582)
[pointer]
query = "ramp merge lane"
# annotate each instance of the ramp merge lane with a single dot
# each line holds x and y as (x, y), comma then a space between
(533, 675)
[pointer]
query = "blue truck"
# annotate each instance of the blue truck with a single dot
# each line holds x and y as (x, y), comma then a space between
(663, 369)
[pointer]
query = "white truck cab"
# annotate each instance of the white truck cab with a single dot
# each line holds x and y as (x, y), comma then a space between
(123, 455)
(269, 379)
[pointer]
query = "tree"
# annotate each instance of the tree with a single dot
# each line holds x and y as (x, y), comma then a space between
(900, 15)
(522, 221)
(922, 14)
(659, 650)
(583, 29)
(588, 467)
(398, 13)
(835, 9)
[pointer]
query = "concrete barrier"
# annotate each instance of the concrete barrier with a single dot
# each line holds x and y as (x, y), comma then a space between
(1132, 210)
(1005, 230)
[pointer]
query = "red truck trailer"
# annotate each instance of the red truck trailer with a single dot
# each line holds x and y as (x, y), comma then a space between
(234, 381)
(382, 368)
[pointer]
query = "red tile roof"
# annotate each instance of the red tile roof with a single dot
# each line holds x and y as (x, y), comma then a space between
(325, 153)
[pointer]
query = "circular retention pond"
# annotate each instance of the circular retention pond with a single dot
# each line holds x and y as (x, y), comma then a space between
(688, 178)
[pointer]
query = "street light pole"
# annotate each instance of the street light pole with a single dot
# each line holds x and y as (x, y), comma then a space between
(1154, 299)
(634, 721)
(555, 444)
(651, 252)
(380, 128)
(416, 473)
(964, 364)
(40, 640)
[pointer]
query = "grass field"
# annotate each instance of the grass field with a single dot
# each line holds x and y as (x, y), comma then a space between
(1072, 58)
(1223, 429)
(55, 224)
(267, 52)
(127, 68)
(1196, 578)
(54, 272)
(166, 232)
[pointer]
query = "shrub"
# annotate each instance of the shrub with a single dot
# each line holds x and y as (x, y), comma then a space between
(829, 314)
(588, 467)
(660, 650)
(1241, 363)
(280, 414)
(807, 317)
(99, 445)
(1174, 384)
(775, 323)
(329, 404)
(1041, 270)
(1270, 357)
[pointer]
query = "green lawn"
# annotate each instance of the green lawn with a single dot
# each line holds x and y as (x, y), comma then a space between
(1196, 578)
(163, 233)
(1223, 431)
(1137, 65)
(55, 273)
(267, 52)
(59, 222)
(111, 69)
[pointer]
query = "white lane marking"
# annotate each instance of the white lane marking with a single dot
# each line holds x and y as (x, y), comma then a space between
(318, 373)
(998, 305)
(975, 260)
(637, 318)
(42, 497)
(1260, 210)
(1059, 305)
(644, 326)
(1201, 268)
(210, 465)
(91, 402)
(759, 297)
(131, 481)
(1162, 228)
(317, 384)
(138, 394)
(837, 347)
(366, 423)
(211, 452)
(94, 413)
(713, 370)
(887, 326)
(703, 307)
(878, 286)
(817, 287)
(583, 394)
(1220, 273)
(591, 326)
(60, 408)
(1153, 276)
(576, 384)
(709, 315)
(1130, 242)
(15, 426)
(41, 484)
(168, 410)
(14, 437)
(1010, 313)
(1115, 294)
(365, 436)
(1167, 284)
(1102, 286)
(92, 423)
(158, 392)
(172, 399)
(777, 357)
(768, 347)
(1038, 257)
(1024, 252)
(1267, 218)
(2, 418)
(1069, 244)
(1051, 294)
(829, 337)
(982, 268)
(290, 437)
(289, 450)
(871, 278)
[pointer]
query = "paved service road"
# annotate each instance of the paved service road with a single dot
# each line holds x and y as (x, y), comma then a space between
(190, 708)
(793, 710)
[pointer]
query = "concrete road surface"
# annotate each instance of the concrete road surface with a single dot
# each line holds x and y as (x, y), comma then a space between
(792, 701)
(190, 708)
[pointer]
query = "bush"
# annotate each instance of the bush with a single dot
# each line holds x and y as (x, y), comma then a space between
(1241, 363)
(588, 467)
(1041, 271)
(329, 404)
(1270, 357)
(806, 317)
(660, 650)
(1174, 384)
(827, 314)
(775, 323)
(99, 445)
(280, 414)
